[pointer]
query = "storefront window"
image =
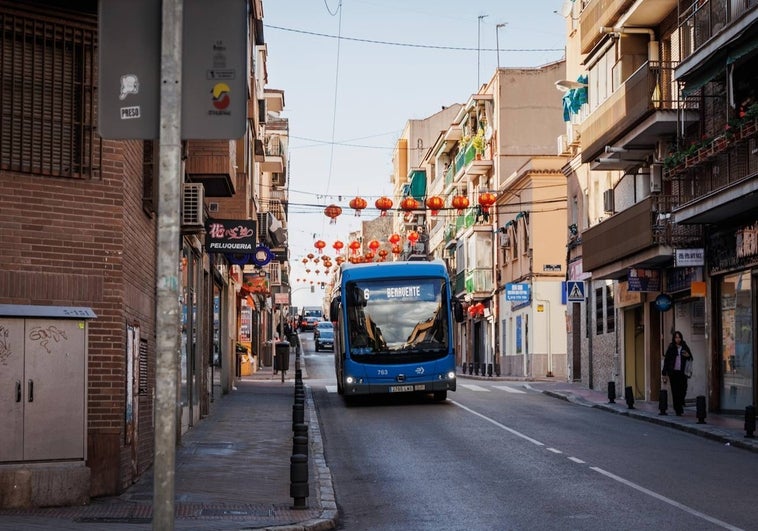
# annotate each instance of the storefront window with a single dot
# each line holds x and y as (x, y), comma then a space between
(736, 341)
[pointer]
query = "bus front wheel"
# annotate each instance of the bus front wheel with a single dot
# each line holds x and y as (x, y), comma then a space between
(440, 396)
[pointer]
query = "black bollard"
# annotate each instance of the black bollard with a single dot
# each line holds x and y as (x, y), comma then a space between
(611, 392)
(298, 415)
(463, 368)
(497, 369)
(750, 422)
(663, 401)
(489, 369)
(700, 409)
(476, 368)
(470, 368)
(299, 480)
(300, 445)
(629, 397)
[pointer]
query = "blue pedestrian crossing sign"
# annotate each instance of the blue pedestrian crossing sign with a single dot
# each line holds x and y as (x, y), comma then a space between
(575, 291)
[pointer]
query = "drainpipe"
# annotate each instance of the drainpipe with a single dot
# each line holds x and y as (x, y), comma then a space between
(653, 54)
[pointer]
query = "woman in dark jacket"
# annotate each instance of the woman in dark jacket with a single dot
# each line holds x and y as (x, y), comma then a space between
(676, 356)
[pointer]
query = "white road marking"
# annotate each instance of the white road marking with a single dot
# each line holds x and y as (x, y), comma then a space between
(554, 450)
(331, 388)
(576, 460)
(474, 387)
(664, 499)
(496, 423)
(509, 389)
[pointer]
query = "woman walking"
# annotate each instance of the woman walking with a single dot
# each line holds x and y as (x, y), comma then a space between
(674, 361)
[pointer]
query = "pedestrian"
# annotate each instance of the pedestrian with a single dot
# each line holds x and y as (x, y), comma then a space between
(674, 361)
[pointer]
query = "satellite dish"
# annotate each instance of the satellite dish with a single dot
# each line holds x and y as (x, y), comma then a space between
(566, 8)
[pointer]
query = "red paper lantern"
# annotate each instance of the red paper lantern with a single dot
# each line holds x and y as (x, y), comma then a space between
(354, 246)
(383, 204)
(332, 211)
(409, 204)
(373, 245)
(394, 239)
(460, 202)
(311, 255)
(305, 260)
(412, 237)
(340, 260)
(396, 249)
(338, 245)
(486, 200)
(435, 204)
(383, 254)
(358, 203)
(320, 244)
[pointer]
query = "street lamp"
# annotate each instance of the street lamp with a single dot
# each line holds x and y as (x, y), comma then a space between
(478, 47)
(497, 40)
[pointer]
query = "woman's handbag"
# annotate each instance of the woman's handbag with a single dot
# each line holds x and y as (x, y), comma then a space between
(688, 368)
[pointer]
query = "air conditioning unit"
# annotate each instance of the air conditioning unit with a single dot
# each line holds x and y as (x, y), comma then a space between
(264, 222)
(193, 195)
(608, 201)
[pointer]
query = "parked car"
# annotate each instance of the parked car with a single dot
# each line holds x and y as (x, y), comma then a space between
(323, 336)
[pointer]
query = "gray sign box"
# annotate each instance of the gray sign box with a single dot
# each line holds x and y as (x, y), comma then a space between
(214, 69)
(129, 46)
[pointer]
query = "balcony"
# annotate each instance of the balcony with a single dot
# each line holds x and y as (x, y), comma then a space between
(643, 235)
(596, 14)
(478, 282)
(644, 106)
(211, 162)
(703, 21)
(275, 147)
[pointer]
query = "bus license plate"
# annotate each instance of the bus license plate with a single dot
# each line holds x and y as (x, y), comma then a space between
(407, 388)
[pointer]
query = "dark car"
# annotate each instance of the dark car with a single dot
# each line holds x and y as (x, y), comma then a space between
(323, 336)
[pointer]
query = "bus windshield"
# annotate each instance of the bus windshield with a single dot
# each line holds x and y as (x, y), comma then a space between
(398, 316)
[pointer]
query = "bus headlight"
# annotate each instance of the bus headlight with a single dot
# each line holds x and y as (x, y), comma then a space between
(350, 380)
(451, 375)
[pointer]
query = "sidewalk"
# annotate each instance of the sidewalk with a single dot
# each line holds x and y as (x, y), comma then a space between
(232, 471)
(727, 429)
(233, 468)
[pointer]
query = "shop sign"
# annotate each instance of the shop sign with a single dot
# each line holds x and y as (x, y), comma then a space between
(644, 279)
(230, 236)
(689, 257)
(517, 292)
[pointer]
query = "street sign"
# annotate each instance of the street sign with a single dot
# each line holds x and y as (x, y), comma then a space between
(517, 292)
(575, 290)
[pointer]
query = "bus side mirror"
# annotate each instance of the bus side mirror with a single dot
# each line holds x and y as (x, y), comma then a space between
(457, 311)
(334, 309)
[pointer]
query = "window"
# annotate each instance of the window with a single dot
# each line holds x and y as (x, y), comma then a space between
(610, 309)
(599, 315)
(47, 96)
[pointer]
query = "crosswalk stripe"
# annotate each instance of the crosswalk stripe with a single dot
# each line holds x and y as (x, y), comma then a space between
(473, 387)
(509, 389)
(331, 388)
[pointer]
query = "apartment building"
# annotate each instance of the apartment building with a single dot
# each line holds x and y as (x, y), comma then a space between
(660, 190)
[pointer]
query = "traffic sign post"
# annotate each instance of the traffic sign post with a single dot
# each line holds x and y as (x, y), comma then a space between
(575, 291)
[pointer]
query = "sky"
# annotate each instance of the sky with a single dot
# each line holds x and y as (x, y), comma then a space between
(354, 72)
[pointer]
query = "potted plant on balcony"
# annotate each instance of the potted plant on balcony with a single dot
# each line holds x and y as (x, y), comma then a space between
(479, 143)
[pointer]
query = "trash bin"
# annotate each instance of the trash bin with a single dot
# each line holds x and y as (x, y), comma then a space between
(282, 356)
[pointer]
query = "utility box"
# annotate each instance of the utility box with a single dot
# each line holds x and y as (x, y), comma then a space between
(43, 354)
(282, 356)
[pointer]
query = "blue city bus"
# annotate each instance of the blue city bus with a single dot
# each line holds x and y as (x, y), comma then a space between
(393, 329)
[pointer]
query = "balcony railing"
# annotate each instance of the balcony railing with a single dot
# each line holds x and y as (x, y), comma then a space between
(478, 281)
(703, 20)
(612, 240)
(647, 90)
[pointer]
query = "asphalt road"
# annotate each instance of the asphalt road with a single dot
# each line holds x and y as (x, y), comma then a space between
(497, 455)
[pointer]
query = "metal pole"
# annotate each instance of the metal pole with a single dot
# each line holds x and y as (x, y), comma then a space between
(168, 310)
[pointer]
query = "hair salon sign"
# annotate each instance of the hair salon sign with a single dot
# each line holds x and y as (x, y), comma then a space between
(230, 236)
